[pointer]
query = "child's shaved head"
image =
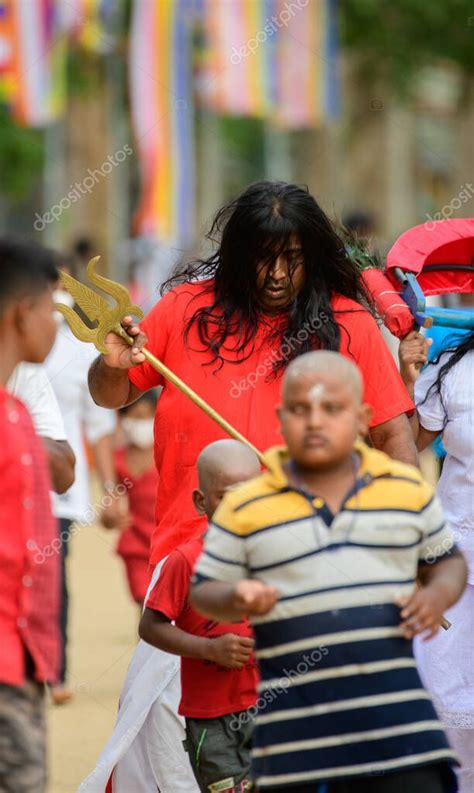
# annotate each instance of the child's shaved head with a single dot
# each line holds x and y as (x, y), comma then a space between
(220, 466)
(309, 365)
(228, 457)
(322, 412)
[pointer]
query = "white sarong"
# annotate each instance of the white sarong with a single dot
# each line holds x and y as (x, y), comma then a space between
(145, 750)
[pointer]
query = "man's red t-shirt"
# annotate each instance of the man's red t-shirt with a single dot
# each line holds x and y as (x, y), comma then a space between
(208, 690)
(243, 391)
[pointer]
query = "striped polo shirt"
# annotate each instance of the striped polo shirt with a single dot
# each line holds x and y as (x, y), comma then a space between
(340, 694)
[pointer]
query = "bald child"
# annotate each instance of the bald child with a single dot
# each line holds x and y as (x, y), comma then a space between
(323, 552)
(218, 673)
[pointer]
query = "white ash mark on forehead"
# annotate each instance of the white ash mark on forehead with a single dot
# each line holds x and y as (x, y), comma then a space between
(316, 392)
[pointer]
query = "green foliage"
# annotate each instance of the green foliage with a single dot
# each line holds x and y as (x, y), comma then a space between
(359, 249)
(21, 148)
(244, 147)
(21, 157)
(83, 70)
(394, 38)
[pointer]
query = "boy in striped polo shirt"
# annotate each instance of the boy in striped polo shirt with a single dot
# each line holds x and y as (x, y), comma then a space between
(323, 552)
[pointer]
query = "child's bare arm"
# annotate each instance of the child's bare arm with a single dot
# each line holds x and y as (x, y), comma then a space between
(116, 515)
(230, 602)
(228, 650)
(413, 354)
(442, 584)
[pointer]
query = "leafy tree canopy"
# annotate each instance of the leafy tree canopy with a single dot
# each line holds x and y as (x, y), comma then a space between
(393, 39)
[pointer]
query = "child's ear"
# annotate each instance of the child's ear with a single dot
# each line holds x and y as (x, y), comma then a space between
(198, 501)
(364, 419)
(22, 313)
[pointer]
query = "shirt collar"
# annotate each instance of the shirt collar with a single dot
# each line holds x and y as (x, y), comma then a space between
(373, 464)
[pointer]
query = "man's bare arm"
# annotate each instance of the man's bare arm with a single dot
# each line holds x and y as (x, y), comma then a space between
(109, 384)
(111, 388)
(395, 438)
(62, 463)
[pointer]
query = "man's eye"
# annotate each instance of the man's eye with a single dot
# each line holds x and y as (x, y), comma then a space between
(294, 259)
(332, 408)
(298, 410)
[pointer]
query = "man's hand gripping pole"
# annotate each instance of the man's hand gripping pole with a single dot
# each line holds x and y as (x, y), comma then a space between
(108, 318)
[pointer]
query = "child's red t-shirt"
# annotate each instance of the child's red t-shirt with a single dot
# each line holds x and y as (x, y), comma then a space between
(208, 689)
(134, 542)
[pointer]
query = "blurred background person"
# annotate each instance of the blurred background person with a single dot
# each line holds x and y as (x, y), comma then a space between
(444, 397)
(66, 368)
(83, 250)
(360, 224)
(135, 471)
(29, 382)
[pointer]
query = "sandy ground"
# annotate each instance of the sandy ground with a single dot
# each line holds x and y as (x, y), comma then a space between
(102, 637)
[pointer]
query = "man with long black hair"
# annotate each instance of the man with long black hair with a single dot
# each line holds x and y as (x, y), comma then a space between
(280, 283)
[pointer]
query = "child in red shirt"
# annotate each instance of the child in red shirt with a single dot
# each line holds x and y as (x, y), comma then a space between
(218, 670)
(137, 476)
(29, 562)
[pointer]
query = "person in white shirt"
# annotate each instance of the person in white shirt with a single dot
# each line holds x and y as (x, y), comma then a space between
(66, 368)
(444, 398)
(29, 382)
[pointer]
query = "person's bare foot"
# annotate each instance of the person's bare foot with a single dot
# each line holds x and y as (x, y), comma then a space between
(61, 694)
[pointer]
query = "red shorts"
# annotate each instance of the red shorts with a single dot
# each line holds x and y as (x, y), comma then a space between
(138, 577)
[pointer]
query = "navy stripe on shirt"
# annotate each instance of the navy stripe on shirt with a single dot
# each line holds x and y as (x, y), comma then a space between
(293, 628)
(358, 753)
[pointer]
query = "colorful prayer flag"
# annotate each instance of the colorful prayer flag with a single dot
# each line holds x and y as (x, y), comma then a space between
(162, 116)
(272, 58)
(32, 60)
(236, 75)
(92, 23)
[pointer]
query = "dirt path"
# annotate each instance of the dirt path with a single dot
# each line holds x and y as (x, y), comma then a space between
(103, 628)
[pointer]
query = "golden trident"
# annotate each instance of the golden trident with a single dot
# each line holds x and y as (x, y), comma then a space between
(108, 317)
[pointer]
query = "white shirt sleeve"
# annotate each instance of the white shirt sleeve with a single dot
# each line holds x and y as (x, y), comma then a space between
(430, 407)
(30, 383)
(97, 421)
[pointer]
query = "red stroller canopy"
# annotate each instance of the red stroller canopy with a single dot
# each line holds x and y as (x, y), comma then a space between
(440, 253)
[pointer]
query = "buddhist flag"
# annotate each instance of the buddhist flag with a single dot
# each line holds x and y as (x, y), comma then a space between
(162, 116)
(32, 60)
(237, 71)
(275, 59)
(93, 23)
(305, 63)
